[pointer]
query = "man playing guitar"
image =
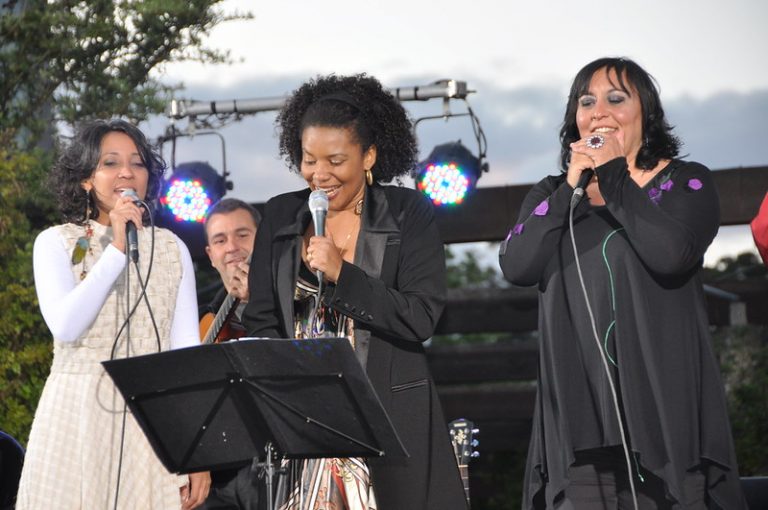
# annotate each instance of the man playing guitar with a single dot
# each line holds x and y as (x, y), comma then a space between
(230, 230)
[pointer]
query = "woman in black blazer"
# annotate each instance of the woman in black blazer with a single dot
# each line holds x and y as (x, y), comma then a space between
(384, 270)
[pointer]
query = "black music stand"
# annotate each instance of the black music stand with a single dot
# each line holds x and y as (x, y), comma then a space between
(217, 406)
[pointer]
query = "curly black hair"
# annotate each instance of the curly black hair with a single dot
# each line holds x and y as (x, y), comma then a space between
(356, 102)
(659, 142)
(79, 159)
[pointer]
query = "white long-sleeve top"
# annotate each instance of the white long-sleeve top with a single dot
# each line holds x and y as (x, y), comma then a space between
(69, 306)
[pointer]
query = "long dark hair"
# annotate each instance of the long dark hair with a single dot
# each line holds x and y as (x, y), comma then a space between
(80, 157)
(659, 142)
(360, 104)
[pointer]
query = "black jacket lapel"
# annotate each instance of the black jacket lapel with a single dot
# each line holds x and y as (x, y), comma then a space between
(377, 231)
(288, 257)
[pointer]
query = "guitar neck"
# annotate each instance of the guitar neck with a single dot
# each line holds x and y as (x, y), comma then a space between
(225, 312)
(464, 471)
(462, 433)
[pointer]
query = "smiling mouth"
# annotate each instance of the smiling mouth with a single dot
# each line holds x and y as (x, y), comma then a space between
(604, 130)
(330, 191)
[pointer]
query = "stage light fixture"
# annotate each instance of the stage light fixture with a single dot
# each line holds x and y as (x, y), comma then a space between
(187, 194)
(449, 174)
(451, 171)
(191, 190)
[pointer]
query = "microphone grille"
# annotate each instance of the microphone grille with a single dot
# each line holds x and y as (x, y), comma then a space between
(318, 200)
(131, 193)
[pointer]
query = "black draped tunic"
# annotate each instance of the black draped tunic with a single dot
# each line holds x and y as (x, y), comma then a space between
(640, 255)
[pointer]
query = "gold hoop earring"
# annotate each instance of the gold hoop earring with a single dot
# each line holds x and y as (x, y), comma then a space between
(369, 177)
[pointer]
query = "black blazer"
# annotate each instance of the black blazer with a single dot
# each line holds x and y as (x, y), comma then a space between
(395, 293)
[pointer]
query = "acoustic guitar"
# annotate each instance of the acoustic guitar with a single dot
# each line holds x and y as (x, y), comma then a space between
(462, 438)
(217, 328)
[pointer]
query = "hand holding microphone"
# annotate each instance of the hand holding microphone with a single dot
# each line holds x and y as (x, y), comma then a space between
(124, 217)
(588, 153)
(322, 253)
(578, 191)
(600, 147)
(584, 159)
(318, 206)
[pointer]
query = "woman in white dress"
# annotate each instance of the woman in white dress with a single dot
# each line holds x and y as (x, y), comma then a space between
(85, 449)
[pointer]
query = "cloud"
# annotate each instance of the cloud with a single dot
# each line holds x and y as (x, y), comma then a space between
(725, 130)
(722, 131)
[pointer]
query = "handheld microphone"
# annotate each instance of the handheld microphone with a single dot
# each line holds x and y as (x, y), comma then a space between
(318, 206)
(578, 191)
(130, 228)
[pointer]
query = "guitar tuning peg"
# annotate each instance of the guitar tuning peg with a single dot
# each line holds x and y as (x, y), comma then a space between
(475, 431)
(475, 455)
(475, 443)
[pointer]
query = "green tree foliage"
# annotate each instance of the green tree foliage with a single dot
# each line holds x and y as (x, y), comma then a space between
(469, 272)
(25, 346)
(744, 266)
(62, 62)
(743, 353)
(93, 59)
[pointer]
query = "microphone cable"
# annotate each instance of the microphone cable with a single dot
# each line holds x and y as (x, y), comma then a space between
(142, 295)
(143, 283)
(130, 310)
(593, 324)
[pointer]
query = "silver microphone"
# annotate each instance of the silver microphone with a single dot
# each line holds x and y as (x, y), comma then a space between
(318, 206)
(581, 186)
(130, 228)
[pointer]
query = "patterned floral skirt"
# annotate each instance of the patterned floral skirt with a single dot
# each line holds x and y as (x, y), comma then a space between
(323, 484)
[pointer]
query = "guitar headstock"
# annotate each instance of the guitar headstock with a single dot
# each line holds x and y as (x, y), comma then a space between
(463, 440)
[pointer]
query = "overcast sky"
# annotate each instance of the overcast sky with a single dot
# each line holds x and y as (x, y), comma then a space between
(709, 58)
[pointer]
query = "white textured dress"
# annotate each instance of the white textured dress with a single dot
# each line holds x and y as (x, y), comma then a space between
(73, 457)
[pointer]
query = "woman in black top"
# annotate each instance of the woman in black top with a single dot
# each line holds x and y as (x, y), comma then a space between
(642, 375)
(384, 271)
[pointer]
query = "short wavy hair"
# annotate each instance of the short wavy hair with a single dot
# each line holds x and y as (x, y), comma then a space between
(659, 141)
(79, 159)
(228, 205)
(356, 102)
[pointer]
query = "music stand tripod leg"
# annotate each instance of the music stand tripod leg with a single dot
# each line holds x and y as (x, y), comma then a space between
(267, 470)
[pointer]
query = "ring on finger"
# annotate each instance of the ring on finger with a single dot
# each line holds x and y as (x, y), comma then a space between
(595, 141)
